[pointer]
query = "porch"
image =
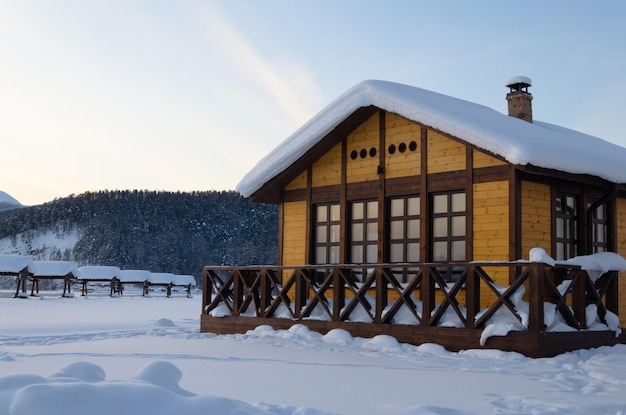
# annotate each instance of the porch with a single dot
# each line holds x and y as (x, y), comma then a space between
(545, 310)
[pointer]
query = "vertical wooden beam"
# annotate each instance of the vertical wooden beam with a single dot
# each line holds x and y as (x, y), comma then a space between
(339, 294)
(472, 295)
(381, 295)
(309, 216)
(579, 297)
(343, 204)
(515, 218)
(382, 214)
(535, 297)
(427, 295)
(281, 228)
(469, 203)
(611, 296)
(424, 205)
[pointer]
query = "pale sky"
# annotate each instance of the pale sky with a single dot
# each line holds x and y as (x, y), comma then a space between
(189, 95)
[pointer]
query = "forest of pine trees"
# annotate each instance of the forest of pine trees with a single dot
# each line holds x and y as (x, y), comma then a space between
(173, 232)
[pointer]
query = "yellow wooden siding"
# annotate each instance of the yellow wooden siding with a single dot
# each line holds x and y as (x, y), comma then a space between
(535, 218)
(327, 170)
(444, 154)
(364, 138)
(297, 183)
(480, 159)
(400, 131)
(490, 239)
(621, 249)
(294, 233)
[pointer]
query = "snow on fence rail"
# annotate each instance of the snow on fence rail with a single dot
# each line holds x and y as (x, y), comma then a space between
(22, 268)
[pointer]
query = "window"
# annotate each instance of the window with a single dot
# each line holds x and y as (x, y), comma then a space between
(448, 230)
(404, 231)
(566, 239)
(327, 234)
(599, 230)
(364, 235)
(364, 232)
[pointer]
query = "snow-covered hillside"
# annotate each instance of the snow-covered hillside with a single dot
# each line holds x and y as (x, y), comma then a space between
(8, 202)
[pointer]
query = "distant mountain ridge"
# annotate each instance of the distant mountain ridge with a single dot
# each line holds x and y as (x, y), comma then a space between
(158, 231)
(8, 202)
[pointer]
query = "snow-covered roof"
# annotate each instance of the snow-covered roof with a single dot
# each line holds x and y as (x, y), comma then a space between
(54, 268)
(160, 278)
(184, 280)
(133, 275)
(519, 142)
(98, 272)
(15, 263)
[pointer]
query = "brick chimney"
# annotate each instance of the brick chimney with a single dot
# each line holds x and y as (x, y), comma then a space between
(519, 99)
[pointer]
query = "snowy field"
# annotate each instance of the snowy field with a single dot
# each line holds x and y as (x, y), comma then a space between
(135, 355)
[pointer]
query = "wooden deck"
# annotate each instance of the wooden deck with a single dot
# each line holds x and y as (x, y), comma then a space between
(415, 304)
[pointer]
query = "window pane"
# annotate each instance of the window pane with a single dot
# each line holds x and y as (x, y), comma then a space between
(571, 203)
(560, 228)
(601, 233)
(372, 231)
(334, 233)
(397, 207)
(320, 255)
(372, 253)
(559, 205)
(440, 251)
(320, 234)
(600, 213)
(357, 254)
(560, 251)
(357, 231)
(440, 203)
(440, 227)
(334, 213)
(458, 250)
(458, 202)
(458, 226)
(413, 229)
(413, 206)
(322, 215)
(413, 252)
(372, 210)
(334, 255)
(357, 211)
(397, 229)
(395, 253)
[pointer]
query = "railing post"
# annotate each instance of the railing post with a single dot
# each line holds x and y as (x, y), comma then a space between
(472, 295)
(612, 293)
(266, 291)
(339, 294)
(535, 297)
(427, 295)
(381, 294)
(237, 291)
(299, 297)
(579, 297)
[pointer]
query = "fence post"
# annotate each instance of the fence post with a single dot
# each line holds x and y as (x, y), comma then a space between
(472, 295)
(427, 295)
(535, 296)
(339, 294)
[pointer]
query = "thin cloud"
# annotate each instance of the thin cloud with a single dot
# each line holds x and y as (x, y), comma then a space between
(287, 82)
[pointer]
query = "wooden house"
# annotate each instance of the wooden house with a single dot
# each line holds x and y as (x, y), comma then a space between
(411, 213)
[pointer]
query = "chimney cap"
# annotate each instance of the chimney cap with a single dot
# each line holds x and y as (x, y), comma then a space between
(519, 81)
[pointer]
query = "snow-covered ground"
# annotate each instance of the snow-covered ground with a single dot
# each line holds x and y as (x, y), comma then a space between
(135, 355)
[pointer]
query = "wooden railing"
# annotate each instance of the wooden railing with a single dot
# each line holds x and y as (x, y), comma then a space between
(346, 293)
